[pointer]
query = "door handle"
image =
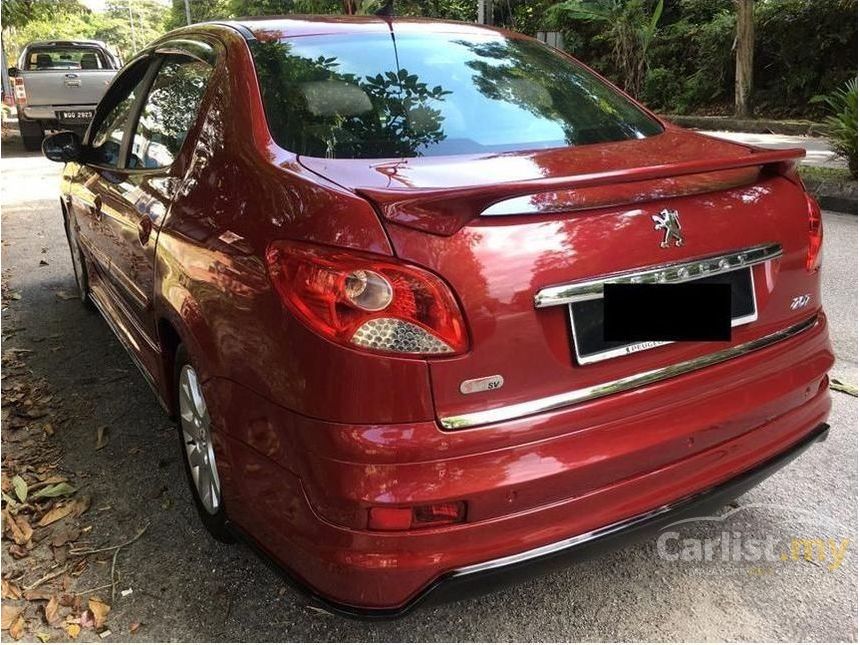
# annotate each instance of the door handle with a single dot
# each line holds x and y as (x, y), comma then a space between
(144, 228)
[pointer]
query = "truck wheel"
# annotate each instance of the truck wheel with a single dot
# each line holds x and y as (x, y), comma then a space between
(31, 135)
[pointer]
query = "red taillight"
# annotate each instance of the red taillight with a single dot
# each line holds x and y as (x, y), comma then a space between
(816, 235)
(384, 518)
(20, 92)
(367, 301)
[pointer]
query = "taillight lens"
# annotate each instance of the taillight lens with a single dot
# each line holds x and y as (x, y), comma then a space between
(366, 301)
(816, 235)
(20, 92)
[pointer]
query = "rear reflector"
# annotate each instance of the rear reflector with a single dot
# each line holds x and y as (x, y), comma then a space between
(383, 518)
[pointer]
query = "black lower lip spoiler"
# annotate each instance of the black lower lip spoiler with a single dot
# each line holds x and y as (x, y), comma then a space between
(475, 580)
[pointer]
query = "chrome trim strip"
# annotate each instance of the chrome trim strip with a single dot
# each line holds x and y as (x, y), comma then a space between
(561, 545)
(667, 273)
(549, 403)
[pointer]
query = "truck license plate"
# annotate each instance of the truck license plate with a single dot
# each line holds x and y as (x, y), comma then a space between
(75, 116)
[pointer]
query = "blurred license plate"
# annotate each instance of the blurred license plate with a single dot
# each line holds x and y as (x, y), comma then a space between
(74, 116)
(587, 319)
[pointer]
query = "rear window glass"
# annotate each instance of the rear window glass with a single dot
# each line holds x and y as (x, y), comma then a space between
(374, 96)
(66, 58)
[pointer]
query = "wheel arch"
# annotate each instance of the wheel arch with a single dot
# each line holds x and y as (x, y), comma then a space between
(179, 321)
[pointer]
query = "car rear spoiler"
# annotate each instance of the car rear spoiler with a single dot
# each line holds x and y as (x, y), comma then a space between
(444, 211)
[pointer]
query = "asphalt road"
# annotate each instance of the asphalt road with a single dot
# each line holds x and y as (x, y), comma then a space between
(188, 587)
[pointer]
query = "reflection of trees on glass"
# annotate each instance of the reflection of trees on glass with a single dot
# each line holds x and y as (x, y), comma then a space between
(313, 109)
(168, 113)
(534, 78)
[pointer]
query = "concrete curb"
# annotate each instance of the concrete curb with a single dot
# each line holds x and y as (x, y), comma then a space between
(797, 127)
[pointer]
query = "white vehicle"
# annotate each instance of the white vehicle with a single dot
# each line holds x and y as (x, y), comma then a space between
(58, 84)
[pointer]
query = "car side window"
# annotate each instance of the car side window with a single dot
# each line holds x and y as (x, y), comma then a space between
(106, 139)
(168, 112)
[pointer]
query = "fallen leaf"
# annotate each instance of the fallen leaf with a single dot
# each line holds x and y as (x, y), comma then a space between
(101, 437)
(16, 630)
(9, 614)
(56, 513)
(73, 630)
(20, 487)
(52, 612)
(86, 620)
(65, 295)
(100, 611)
(18, 552)
(49, 429)
(10, 591)
(18, 528)
(44, 637)
(134, 627)
(61, 554)
(63, 489)
(64, 536)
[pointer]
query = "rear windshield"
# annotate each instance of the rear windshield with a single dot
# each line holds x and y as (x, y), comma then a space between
(374, 96)
(65, 58)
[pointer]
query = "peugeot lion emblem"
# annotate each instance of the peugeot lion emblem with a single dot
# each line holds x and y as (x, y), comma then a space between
(668, 222)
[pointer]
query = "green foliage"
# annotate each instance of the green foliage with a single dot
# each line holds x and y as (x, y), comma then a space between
(692, 57)
(627, 28)
(27, 20)
(841, 123)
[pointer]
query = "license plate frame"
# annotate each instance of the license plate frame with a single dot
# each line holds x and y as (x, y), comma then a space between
(591, 357)
(75, 116)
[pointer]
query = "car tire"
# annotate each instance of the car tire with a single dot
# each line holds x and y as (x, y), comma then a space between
(79, 264)
(31, 134)
(196, 448)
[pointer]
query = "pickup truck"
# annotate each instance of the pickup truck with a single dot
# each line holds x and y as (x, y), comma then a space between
(57, 85)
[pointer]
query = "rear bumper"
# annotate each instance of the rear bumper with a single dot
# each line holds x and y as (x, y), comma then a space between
(49, 112)
(300, 487)
(484, 577)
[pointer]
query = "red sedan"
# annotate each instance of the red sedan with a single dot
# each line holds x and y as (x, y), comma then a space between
(434, 303)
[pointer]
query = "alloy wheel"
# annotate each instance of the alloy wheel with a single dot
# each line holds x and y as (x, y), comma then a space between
(197, 440)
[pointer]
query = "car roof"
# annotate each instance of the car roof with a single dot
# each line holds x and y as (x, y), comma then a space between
(61, 43)
(300, 25)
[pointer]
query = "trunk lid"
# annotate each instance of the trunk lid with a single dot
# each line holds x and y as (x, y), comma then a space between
(580, 217)
(66, 87)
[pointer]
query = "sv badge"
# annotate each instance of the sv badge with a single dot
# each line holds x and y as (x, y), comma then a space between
(668, 222)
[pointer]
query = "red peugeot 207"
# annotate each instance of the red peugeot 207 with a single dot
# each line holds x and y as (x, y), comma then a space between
(434, 303)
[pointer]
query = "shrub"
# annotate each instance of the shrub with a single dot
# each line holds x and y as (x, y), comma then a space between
(841, 123)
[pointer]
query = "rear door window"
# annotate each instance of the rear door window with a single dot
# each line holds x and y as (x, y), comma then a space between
(168, 112)
(60, 58)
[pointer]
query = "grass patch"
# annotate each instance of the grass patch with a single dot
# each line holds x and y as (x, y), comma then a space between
(816, 174)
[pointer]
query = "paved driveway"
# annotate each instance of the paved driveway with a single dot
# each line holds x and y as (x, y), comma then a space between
(187, 587)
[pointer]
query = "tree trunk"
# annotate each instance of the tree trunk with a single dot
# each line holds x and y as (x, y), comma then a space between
(744, 58)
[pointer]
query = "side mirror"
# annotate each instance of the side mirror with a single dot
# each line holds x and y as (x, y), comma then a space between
(13, 72)
(62, 146)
